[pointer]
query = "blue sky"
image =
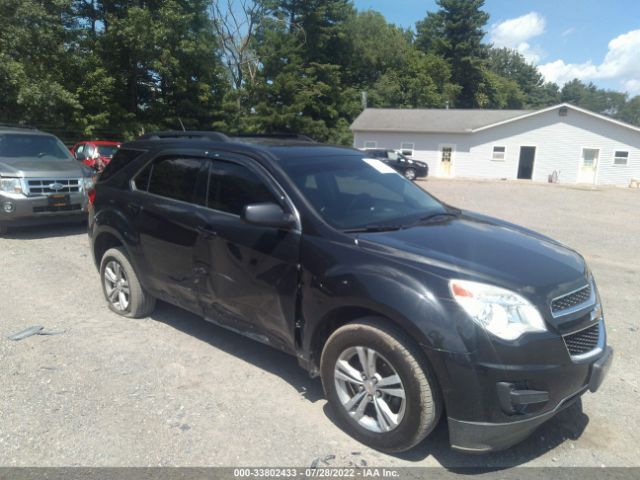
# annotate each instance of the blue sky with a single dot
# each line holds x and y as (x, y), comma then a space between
(592, 40)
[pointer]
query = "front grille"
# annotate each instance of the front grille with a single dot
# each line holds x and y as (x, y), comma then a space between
(44, 185)
(583, 341)
(62, 208)
(571, 300)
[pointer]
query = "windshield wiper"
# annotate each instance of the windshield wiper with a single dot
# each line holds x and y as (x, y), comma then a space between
(433, 217)
(372, 228)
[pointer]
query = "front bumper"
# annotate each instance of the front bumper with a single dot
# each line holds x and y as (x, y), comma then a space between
(421, 171)
(483, 436)
(35, 210)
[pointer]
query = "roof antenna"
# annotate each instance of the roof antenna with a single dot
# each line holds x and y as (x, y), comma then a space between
(182, 124)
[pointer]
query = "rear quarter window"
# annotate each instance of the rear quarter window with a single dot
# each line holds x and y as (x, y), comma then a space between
(121, 159)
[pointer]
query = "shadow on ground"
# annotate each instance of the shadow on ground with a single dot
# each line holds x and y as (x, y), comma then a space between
(568, 424)
(262, 356)
(46, 231)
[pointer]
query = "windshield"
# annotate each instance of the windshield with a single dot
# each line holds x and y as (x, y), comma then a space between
(352, 192)
(107, 150)
(15, 145)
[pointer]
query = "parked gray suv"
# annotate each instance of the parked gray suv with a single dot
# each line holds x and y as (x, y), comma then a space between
(40, 182)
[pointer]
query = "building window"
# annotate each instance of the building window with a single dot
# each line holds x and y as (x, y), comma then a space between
(498, 153)
(371, 144)
(407, 148)
(620, 158)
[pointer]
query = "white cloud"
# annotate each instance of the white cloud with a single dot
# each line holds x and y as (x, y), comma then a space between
(620, 63)
(516, 32)
(568, 31)
(632, 86)
(560, 72)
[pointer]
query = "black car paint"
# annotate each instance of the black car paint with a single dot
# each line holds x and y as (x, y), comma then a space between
(401, 164)
(288, 288)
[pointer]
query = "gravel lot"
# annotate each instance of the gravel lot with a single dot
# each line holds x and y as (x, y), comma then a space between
(174, 390)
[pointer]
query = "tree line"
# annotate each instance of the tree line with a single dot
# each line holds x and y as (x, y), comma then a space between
(118, 68)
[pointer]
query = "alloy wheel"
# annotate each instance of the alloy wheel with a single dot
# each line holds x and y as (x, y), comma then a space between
(116, 285)
(410, 174)
(370, 389)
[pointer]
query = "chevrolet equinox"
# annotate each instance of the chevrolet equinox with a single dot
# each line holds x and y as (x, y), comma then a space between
(406, 307)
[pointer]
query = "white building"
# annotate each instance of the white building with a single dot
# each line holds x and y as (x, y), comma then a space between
(578, 145)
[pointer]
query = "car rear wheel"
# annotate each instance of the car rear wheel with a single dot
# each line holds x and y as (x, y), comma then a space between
(121, 286)
(379, 385)
(410, 174)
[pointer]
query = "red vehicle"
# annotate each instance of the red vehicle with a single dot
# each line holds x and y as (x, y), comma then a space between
(95, 153)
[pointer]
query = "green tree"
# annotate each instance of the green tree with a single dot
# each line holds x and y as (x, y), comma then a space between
(423, 81)
(161, 57)
(510, 64)
(37, 61)
(592, 98)
(374, 48)
(630, 112)
(455, 32)
(498, 92)
(299, 87)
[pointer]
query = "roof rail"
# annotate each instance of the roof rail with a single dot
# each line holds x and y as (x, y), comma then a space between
(275, 136)
(203, 135)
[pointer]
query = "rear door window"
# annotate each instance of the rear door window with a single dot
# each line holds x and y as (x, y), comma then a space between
(121, 159)
(174, 177)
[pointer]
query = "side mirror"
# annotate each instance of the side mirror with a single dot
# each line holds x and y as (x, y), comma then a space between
(81, 157)
(267, 215)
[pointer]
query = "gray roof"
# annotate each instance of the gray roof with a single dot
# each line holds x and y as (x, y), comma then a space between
(436, 120)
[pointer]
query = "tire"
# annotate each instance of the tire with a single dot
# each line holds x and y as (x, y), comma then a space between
(138, 302)
(410, 174)
(416, 415)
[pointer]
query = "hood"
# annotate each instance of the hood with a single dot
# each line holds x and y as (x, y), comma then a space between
(488, 250)
(26, 167)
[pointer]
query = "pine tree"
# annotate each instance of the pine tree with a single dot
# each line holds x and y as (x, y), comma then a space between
(455, 32)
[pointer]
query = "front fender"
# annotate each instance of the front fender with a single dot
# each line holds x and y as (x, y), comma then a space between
(338, 276)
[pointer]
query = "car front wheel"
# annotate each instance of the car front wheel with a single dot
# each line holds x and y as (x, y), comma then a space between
(379, 385)
(410, 174)
(121, 286)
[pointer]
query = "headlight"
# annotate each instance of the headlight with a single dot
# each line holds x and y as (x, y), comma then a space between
(88, 183)
(10, 185)
(501, 312)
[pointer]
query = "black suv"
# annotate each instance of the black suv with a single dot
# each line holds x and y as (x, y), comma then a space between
(405, 306)
(408, 167)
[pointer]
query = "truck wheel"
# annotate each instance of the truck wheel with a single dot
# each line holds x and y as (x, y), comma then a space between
(379, 385)
(410, 174)
(121, 286)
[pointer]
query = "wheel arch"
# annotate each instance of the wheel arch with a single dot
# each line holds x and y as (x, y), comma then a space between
(343, 315)
(104, 241)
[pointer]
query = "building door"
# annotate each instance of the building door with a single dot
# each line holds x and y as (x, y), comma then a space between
(446, 157)
(525, 165)
(588, 165)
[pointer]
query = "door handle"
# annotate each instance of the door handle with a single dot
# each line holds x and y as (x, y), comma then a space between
(207, 231)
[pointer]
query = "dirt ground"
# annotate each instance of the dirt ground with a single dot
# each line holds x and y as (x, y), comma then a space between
(174, 390)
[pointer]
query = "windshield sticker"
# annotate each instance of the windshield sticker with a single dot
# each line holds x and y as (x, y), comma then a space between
(379, 166)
